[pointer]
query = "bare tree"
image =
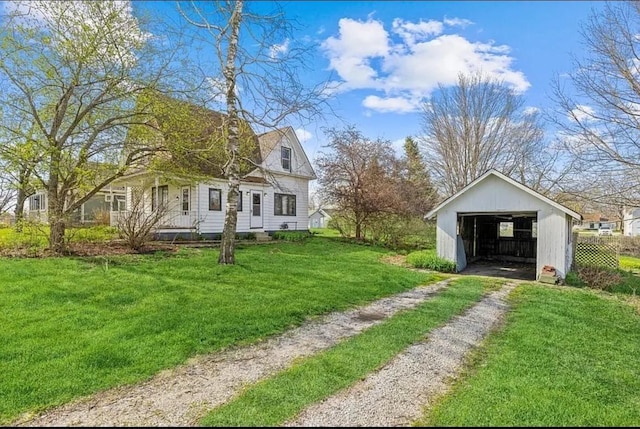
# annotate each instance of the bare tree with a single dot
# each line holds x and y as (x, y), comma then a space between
(474, 126)
(261, 64)
(72, 71)
(360, 177)
(598, 108)
(137, 223)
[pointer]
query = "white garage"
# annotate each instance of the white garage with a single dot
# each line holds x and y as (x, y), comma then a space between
(496, 218)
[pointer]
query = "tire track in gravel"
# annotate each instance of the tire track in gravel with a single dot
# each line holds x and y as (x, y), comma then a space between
(397, 394)
(181, 396)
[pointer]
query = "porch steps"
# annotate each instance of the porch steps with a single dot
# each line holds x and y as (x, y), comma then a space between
(262, 236)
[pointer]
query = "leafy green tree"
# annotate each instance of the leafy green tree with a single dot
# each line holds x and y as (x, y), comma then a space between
(70, 73)
(417, 188)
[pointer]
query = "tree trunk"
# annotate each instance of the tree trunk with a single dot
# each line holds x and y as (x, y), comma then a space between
(227, 246)
(57, 227)
(21, 197)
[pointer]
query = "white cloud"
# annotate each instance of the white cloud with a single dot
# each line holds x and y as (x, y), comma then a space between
(412, 32)
(530, 110)
(391, 104)
(409, 62)
(276, 50)
(398, 146)
(582, 113)
(457, 22)
(303, 135)
(350, 52)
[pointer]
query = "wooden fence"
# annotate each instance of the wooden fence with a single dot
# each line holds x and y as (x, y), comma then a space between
(596, 251)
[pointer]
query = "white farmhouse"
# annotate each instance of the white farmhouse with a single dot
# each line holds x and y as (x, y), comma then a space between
(273, 196)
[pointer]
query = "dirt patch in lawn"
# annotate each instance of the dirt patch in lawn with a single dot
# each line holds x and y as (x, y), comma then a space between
(399, 260)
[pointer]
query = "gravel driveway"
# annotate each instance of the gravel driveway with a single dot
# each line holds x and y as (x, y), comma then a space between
(397, 394)
(181, 396)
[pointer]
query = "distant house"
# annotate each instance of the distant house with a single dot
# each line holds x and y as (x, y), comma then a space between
(498, 218)
(96, 209)
(593, 221)
(631, 221)
(320, 218)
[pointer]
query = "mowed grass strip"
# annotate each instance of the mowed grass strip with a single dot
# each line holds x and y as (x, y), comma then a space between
(278, 399)
(565, 358)
(72, 327)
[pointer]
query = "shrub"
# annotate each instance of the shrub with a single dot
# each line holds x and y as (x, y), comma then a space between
(599, 278)
(102, 217)
(427, 259)
(250, 236)
(291, 235)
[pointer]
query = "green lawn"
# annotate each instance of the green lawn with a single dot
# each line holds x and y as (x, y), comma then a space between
(566, 357)
(71, 327)
(630, 263)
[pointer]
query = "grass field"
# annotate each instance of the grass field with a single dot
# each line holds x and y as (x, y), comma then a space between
(566, 357)
(75, 326)
(71, 327)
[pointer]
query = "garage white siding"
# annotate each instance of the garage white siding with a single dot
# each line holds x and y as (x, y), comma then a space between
(494, 193)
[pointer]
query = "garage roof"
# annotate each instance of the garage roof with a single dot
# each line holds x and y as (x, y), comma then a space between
(507, 179)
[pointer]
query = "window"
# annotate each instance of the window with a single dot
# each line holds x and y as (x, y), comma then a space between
(37, 202)
(286, 158)
(215, 199)
(506, 229)
(162, 195)
(239, 201)
(285, 205)
(186, 200)
(118, 203)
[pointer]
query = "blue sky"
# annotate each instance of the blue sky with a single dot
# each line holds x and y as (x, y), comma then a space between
(389, 55)
(525, 43)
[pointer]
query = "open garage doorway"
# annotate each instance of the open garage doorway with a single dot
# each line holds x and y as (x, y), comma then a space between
(499, 244)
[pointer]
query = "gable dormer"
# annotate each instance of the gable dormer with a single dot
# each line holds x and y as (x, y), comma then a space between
(282, 153)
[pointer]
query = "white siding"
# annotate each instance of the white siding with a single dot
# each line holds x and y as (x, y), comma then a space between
(299, 163)
(293, 186)
(496, 195)
(632, 222)
(213, 221)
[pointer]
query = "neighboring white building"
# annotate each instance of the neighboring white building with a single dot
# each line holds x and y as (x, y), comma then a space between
(320, 218)
(631, 221)
(103, 203)
(498, 218)
(274, 195)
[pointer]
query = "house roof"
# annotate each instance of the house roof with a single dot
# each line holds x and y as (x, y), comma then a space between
(323, 212)
(594, 217)
(507, 179)
(191, 130)
(269, 140)
(194, 135)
